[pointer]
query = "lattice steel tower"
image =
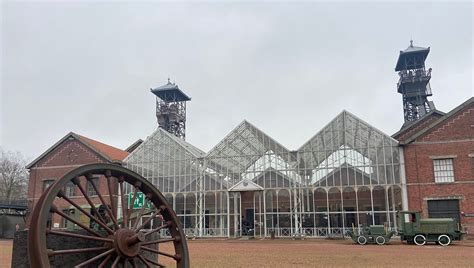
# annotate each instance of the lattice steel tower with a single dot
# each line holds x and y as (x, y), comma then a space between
(414, 83)
(171, 109)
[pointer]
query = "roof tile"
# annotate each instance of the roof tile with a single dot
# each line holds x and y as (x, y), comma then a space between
(113, 153)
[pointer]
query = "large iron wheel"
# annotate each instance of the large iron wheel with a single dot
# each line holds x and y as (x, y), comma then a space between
(123, 241)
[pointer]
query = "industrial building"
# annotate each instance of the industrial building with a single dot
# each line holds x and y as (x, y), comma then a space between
(439, 157)
(347, 175)
(70, 152)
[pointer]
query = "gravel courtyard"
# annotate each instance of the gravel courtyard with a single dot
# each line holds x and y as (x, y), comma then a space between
(312, 253)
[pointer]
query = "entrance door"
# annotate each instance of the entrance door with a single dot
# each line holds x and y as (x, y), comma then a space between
(247, 211)
(448, 208)
(249, 215)
(247, 224)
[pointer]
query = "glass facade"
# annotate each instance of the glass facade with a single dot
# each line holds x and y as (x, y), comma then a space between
(347, 175)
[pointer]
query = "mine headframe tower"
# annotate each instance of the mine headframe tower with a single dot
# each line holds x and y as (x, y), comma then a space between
(414, 83)
(171, 109)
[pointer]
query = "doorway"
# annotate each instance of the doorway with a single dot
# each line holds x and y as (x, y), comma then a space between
(447, 208)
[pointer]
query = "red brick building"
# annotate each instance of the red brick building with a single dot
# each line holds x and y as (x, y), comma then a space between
(70, 152)
(438, 152)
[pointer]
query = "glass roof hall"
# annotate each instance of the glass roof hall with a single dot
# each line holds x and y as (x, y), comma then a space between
(348, 174)
(349, 140)
(242, 147)
(346, 148)
(166, 160)
(346, 131)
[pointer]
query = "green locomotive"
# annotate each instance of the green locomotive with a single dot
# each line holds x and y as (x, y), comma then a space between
(414, 229)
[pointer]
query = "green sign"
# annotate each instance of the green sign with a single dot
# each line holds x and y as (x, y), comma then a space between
(139, 201)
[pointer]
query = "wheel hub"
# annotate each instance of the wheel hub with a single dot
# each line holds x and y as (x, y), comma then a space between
(127, 242)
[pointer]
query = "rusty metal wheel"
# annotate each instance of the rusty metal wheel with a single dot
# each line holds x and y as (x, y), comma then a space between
(122, 241)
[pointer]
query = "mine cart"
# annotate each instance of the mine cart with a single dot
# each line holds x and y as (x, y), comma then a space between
(414, 229)
(371, 234)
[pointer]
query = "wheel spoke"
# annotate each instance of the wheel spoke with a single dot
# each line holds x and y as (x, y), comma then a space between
(132, 262)
(143, 260)
(95, 258)
(160, 252)
(114, 220)
(76, 250)
(104, 262)
(63, 196)
(154, 262)
(108, 175)
(135, 190)
(159, 241)
(77, 182)
(80, 236)
(140, 214)
(159, 228)
(153, 215)
(57, 211)
(124, 207)
(117, 259)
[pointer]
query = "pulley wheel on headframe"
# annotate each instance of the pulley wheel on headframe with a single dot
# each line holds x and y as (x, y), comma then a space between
(118, 241)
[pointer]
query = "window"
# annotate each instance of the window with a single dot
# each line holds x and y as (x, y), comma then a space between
(90, 189)
(443, 170)
(65, 223)
(70, 189)
(47, 183)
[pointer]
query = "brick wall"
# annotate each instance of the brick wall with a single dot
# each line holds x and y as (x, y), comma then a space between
(418, 126)
(65, 157)
(452, 138)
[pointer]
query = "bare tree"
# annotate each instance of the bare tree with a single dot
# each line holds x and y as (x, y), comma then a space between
(13, 175)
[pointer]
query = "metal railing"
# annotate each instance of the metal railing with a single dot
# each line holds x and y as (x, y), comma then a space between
(414, 76)
(193, 232)
(310, 232)
(21, 204)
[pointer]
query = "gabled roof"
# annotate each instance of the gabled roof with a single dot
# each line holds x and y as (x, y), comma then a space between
(245, 185)
(278, 175)
(246, 142)
(413, 124)
(439, 121)
(108, 152)
(347, 130)
(162, 148)
(345, 166)
(188, 146)
(156, 139)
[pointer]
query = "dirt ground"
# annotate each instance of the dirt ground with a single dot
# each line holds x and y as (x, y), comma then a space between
(312, 253)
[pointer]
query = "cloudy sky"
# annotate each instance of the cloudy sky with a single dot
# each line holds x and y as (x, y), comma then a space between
(288, 68)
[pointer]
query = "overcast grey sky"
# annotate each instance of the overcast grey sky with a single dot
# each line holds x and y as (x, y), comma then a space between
(288, 68)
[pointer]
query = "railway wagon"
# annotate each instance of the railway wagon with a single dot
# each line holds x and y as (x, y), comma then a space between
(371, 234)
(414, 229)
